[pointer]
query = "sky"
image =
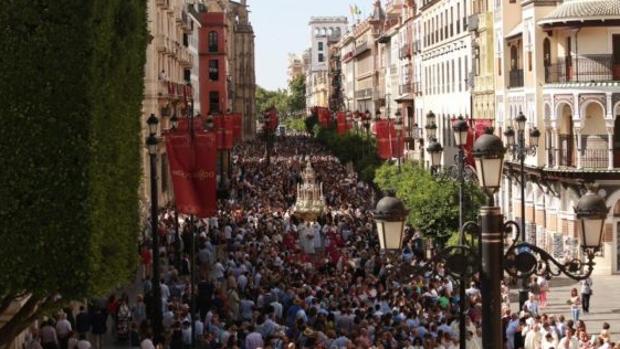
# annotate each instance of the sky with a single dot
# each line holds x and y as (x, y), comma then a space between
(281, 27)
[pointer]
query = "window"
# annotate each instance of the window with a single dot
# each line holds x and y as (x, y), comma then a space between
(458, 18)
(445, 28)
(214, 102)
(499, 66)
(320, 46)
(460, 76)
(441, 22)
(321, 58)
(214, 70)
(464, 15)
(212, 41)
(466, 73)
(451, 21)
(453, 86)
(185, 40)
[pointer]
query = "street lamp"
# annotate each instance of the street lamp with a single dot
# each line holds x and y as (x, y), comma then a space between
(434, 148)
(591, 212)
(152, 144)
(489, 152)
(152, 123)
(461, 130)
(522, 259)
(390, 215)
(520, 150)
(174, 121)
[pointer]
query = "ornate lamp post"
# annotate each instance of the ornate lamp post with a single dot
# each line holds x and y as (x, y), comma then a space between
(460, 130)
(435, 149)
(152, 144)
(390, 215)
(521, 259)
(520, 150)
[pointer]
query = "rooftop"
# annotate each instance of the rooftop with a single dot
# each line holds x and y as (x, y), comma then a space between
(583, 10)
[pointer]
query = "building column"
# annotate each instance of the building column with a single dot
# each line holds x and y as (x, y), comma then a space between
(578, 134)
(610, 147)
(556, 149)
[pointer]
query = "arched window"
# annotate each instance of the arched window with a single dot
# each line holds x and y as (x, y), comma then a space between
(213, 44)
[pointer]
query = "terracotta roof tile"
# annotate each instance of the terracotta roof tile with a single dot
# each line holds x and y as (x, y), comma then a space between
(584, 10)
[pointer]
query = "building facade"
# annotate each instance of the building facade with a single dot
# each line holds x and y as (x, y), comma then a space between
(295, 67)
(559, 65)
(167, 73)
(444, 66)
(183, 64)
(324, 31)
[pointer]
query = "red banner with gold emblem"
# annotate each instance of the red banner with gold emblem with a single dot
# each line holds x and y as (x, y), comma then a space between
(192, 161)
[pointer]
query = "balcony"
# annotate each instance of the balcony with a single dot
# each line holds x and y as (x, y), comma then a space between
(405, 88)
(185, 58)
(361, 48)
(515, 78)
(417, 88)
(363, 94)
(585, 68)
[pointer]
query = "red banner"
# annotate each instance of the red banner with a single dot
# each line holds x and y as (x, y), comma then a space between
(382, 131)
(324, 116)
(192, 161)
(272, 120)
(341, 123)
(218, 126)
(397, 142)
(228, 132)
(477, 128)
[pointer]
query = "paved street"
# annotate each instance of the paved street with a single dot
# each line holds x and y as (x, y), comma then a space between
(604, 304)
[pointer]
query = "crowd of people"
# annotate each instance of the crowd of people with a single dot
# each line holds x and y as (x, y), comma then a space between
(257, 285)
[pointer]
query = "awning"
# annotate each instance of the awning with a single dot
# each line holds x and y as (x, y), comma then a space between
(407, 97)
(516, 31)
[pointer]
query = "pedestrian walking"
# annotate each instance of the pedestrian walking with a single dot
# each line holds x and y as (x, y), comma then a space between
(586, 293)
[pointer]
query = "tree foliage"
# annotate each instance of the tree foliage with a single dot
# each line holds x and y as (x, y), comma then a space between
(72, 89)
(297, 94)
(266, 99)
(433, 200)
(351, 147)
(295, 123)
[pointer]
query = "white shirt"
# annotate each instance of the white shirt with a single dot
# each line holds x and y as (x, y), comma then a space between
(83, 344)
(147, 344)
(63, 327)
(566, 343)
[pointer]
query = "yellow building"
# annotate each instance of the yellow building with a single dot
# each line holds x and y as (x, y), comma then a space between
(559, 65)
(483, 92)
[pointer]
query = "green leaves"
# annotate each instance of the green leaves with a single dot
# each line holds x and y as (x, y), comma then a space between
(72, 91)
(297, 96)
(433, 200)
